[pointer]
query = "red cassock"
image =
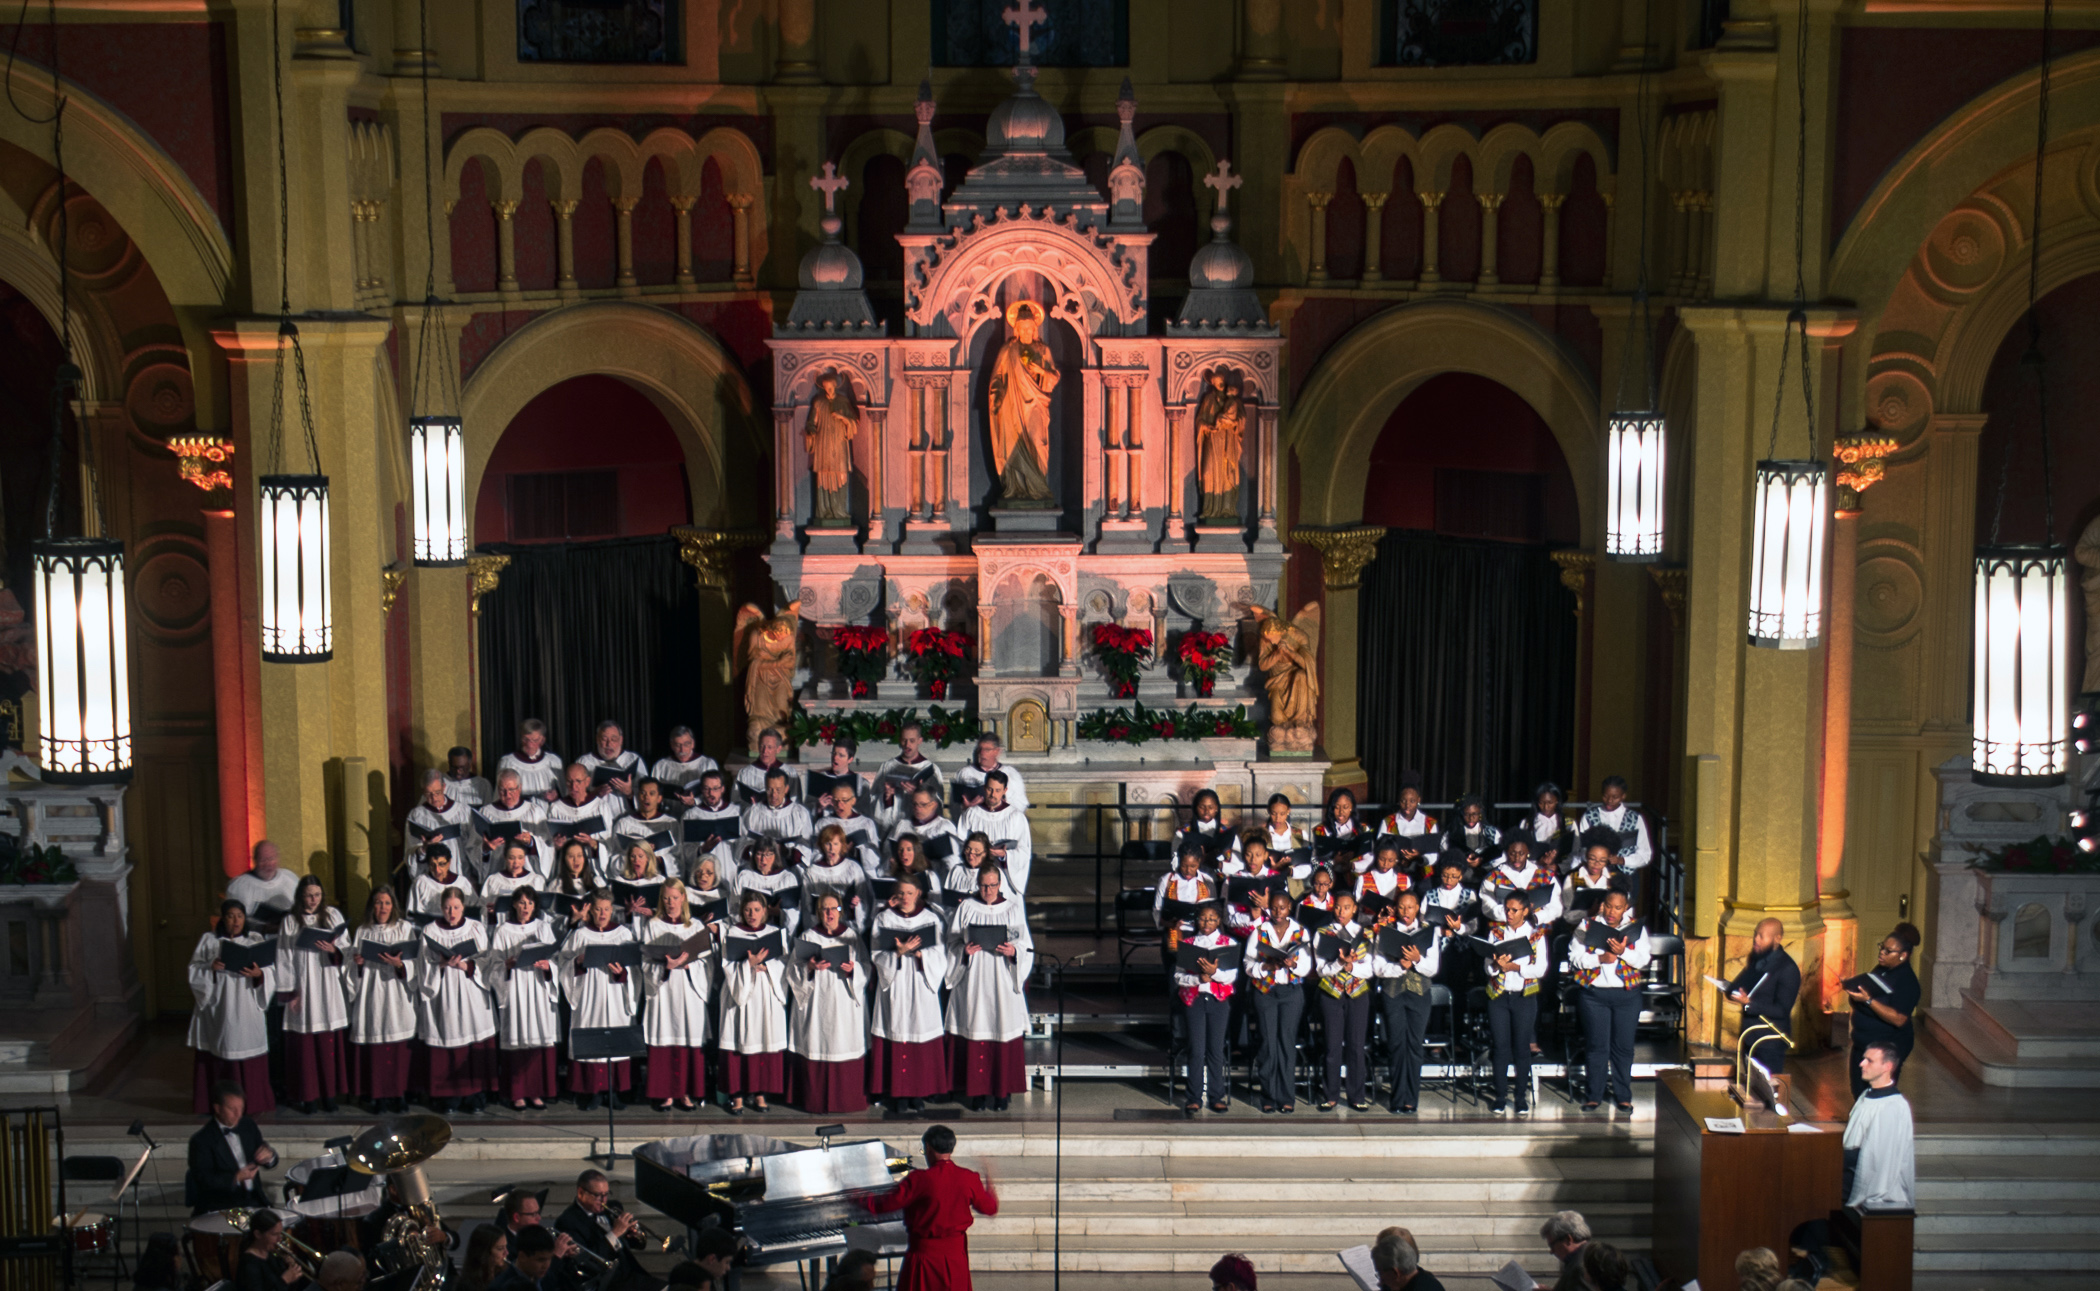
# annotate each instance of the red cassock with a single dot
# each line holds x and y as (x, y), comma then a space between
(937, 1202)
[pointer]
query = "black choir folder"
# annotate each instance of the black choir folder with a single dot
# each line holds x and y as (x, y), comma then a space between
(606, 773)
(1515, 947)
(1226, 957)
(1334, 849)
(625, 953)
(1270, 953)
(833, 955)
(939, 847)
(531, 954)
(1330, 946)
(927, 933)
(321, 938)
(1373, 906)
(698, 943)
(1599, 935)
(1312, 918)
(504, 831)
(903, 781)
(237, 957)
(1392, 941)
(747, 945)
(988, 936)
(1871, 983)
(1173, 912)
(624, 891)
(710, 831)
(1241, 889)
(823, 782)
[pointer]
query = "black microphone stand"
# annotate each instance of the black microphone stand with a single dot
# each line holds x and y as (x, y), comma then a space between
(1057, 1102)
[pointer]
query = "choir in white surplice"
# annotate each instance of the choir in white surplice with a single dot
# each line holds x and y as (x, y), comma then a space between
(760, 936)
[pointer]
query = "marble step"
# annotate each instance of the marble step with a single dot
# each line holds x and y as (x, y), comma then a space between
(1985, 1053)
(1319, 1223)
(1955, 1181)
(2070, 1219)
(1269, 1250)
(2003, 1252)
(2010, 1142)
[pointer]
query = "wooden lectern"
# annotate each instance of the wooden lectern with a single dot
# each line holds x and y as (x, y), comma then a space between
(1718, 1195)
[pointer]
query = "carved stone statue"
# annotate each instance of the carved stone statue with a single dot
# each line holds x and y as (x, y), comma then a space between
(765, 648)
(1289, 657)
(828, 434)
(1219, 423)
(1022, 381)
(2087, 554)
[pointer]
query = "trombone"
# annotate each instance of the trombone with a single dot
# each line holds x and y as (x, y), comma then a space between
(306, 1257)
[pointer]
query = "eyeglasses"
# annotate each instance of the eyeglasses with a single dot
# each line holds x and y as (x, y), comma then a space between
(600, 1193)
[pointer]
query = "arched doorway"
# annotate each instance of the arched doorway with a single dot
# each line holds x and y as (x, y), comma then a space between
(595, 617)
(1466, 640)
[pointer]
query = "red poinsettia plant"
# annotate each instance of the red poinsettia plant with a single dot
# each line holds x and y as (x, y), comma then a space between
(1203, 656)
(936, 658)
(1123, 653)
(862, 654)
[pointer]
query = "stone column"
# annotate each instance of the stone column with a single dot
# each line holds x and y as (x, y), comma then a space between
(1490, 233)
(1261, 40)
(506, 248)
(797, 62)
(740, 218)
(1549, 259)
(684, 207)
(565, 245)
(623, 212)
(1343, 555)
(1431, 203)
(1374, 228)
(1317, 272)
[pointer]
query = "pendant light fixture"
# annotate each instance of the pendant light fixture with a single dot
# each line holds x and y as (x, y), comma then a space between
(83, 663)
(436, 438)
(2020, 719)
(297, 610)
(1633, 504)
(1790, 497)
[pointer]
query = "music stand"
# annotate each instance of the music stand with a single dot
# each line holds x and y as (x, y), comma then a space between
(592, 1044)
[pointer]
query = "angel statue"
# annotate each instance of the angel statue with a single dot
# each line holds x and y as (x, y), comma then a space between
(765, 647)
(1289, 658)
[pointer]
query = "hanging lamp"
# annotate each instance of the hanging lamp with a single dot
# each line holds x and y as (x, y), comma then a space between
(436, 439)
(2021, 708)
(1790, 497)
(83, 665)
(297, 608)
(1634, 440)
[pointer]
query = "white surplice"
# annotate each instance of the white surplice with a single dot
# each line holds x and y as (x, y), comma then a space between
(316, 977)
(830, 1018)
(528, 1014)
(680, 1000)
(531, 813)
(987, 992)
(595, 999)
(908, 987)
(783, 887)
(848, 880)
(565, 819)
(536, 776)
(754, 1000)
(382, 997)
(456, 822)
(456, 1009)
(1008, 825)
(228, 1021)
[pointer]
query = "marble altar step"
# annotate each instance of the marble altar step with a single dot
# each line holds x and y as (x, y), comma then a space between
(2003, 1200)
(2017, 1046)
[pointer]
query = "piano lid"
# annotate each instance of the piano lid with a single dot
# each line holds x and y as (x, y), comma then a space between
(821, 1172)
(785, 1170)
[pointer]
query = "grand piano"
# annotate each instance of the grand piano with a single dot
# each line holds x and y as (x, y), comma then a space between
(788, 1203)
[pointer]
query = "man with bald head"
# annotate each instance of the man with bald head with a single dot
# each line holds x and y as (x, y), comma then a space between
(1766, 988)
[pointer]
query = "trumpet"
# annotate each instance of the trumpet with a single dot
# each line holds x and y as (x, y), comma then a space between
(614, 1209)
(597, 1261)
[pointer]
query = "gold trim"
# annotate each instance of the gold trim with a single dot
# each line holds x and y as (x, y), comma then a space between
(483, 571)
(1343, 552)
(1575, 567)
(391, 580)
(708, 552)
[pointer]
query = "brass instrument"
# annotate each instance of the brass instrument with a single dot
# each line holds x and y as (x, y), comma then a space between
(641, 1235)
(398, 1146)
(306, 1257)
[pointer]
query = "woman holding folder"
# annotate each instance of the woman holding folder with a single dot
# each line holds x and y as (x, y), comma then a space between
(575, 878)
(600, 969)
(1516, 953)
(1278, 960)
(1342, 957)
(754, 1004)
(520, 970)
(990, 956)
(678, 976)
(512, 872)
(907, 1051)
(233, 985)
(1339, 836)
(828, 1027)
(458, 1021)
(383, 971)
(640, 883)
(1205, 968)
(1405, 956)
(779, 887)
(310, 966)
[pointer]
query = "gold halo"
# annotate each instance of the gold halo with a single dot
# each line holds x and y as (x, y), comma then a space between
(1019, 307)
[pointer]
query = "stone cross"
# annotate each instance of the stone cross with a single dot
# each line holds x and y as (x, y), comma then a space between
(1022, 17)
(1224, 181)
(832, 182)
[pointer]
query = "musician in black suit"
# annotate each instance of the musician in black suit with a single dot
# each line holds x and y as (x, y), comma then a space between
(227, 1156)
(596, 1227)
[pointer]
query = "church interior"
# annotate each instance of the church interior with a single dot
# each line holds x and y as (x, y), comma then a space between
(439, 438)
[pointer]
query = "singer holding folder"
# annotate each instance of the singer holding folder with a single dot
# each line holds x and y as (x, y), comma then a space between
(1405, 956)
(754, 1006)
(1883, 999)
(990, 955)
(1205, 968)
(679, 979)
(1609, 954)
(1278, 960)
(1766, 988)
(227, 1029)
(1513, 974)
(1342, 955)
(520, 974)
(600, 975)
(317, 1016)
(457, 1021)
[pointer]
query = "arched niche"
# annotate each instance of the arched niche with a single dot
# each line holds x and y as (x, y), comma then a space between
(1465, 456)
(553, 475)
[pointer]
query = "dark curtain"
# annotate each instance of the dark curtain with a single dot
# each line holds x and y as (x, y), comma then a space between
(576, 633)
(1465, 668)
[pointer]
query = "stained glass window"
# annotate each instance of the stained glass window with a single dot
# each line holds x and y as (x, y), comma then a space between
(598, 31)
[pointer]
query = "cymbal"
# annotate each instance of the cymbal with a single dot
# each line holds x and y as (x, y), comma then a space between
(397, 1143)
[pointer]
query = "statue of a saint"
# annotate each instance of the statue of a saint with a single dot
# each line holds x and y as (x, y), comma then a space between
(766, 648)
(828, 434)
(1289, 658)
(1022, 380)
(2087, 554)
(1218, 436)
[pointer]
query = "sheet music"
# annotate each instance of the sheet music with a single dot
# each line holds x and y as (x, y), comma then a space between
(1357, 1262)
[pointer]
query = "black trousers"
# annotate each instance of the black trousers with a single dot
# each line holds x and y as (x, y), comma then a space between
(1278, 1011)
(1348, 1024)
(1512, 1021)
(1406, 1023)
(1764, 1047)
(1204, 1076)
(1609, 1017)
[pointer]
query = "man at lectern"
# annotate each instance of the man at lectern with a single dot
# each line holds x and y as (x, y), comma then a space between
(1766, 988)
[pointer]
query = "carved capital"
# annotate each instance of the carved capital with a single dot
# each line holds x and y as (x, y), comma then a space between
(1343, 552)
(1319, 201)
(1575, 567)
(391, 580)
(708, 550)
(483, 571)
(1670, 579)
(505, 209)
(1862, 461)
(201, 460)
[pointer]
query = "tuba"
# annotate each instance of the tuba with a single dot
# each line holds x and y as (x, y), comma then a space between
(398, 1146)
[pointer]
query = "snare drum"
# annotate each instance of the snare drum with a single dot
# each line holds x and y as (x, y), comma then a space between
(93, 1234)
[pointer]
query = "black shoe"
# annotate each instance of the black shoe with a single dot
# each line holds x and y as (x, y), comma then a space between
(1268, 1109)
(304, 1109)
(979, 1103)
(918, 1107)
(1498, 1107)
(586, 1102)
(1001, 1104)
(1222, 1105)
(1407, 1109)
(1360, 1107)
(1523, 1107)
(615, 1100)
(1590, 1106)
(328, 1104)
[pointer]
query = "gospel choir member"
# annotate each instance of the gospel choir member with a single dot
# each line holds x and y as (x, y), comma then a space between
(1253, 867)
(310, 967)
(1412, 829)
(906, 1051)
(603, 994)
(1338, 833)
(384, 994)
(1278, 960)
(1767, 988)
(1549, 831)
(987, 993)
(1221, 847)
(827, 1029)
(1471, 840)
(1342, 956)
(998, 817)
(1512, 989)
(1286, 841)
(227, 1028)
(1516, 872)
(458, 1022)
(1613, 814)
(520, 973)
(1609, 996)
(1883, 999)
(754, 1007)
(1204, 996)
(679, 980)
(538, 770)
(1401, 988)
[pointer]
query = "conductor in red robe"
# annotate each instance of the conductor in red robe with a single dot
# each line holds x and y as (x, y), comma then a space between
(937, 1202)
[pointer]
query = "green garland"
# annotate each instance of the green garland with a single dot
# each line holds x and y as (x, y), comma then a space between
(942, 727)
(35, 865)
(2043, 855)
(1139, 724)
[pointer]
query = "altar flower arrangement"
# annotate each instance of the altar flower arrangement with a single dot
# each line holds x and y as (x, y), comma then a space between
(1203, 656)
(1123, 653)
(942, 727)
(1139, 724)
(33, 865)
(936, 658)
(862, 654)
(2042, 855)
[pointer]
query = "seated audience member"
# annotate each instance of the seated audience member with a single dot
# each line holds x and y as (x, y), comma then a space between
(1604, 1268)
(341, 1271)
(1398, 1263)
(1757, 1269)
(1233, 1273)
(538, 767)
(1566, 1232)
(856, 1272)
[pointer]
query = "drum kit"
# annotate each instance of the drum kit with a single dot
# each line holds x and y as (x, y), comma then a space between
(325, 1197)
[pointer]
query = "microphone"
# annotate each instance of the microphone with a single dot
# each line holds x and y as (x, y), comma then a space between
(138, 1131)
